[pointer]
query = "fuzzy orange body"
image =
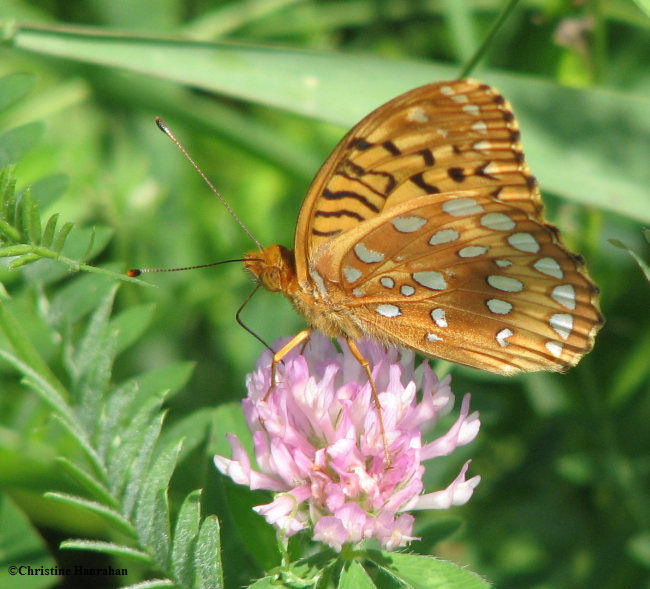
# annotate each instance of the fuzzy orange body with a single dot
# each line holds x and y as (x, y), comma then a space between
(275, 269)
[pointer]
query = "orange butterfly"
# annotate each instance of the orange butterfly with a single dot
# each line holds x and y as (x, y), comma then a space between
(424, 229)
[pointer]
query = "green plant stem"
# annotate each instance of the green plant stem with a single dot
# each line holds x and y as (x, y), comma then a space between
(44, 252)
(599, 60)
(496, 25)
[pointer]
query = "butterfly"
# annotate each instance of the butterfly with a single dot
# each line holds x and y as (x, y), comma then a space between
(424, 229)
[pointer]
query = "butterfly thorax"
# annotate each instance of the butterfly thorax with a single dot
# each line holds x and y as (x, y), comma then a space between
(274, 267)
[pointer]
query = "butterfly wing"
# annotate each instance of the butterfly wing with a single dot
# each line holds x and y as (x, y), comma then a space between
(442, 137)
(473, 280)
(424, 228)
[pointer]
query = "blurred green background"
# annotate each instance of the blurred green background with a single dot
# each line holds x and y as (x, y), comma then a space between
(565, 459)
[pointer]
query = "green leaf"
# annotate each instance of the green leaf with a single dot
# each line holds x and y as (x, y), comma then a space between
(9, 233)
(24, 211)
(94, 337)
(185, 534)
(582, 143)
(15, 143)
(191, 428)
(89, 248)
(62, 236)
(152, 510)
(76, 246)
(142, 396)
(114, 416)
(35, 229)
(107, 548)
(78, 433)
(78, 298)
(90, 483)
(93, 363)
(111, 516)
(227, 18)
(8, 204)
(354, 576)
(207, 558)
(50, 228)
(47, 392)
(307, 82)
(132, 457)
(131, 323)
(13, 87)
(426, 572)
(568, 131)
(26, 352)
(171, 379)
(21, 545)
(160, 538)
(23, 261)
(63, 413)
(257, 536)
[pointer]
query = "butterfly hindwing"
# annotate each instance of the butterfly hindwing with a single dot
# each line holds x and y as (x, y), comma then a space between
(467, 278)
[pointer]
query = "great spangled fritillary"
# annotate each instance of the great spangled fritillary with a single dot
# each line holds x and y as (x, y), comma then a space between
(424, 229)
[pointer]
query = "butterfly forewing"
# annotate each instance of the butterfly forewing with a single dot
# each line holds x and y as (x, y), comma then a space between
(467, 278)
(438, 138)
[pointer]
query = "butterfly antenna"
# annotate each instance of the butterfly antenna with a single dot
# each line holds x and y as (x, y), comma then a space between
(165, 129)
(133, 272)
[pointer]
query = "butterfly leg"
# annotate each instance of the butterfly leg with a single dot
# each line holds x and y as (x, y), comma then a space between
(296, 340)
(366, 366)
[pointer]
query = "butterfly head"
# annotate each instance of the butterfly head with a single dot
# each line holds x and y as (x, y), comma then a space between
(274, 267)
